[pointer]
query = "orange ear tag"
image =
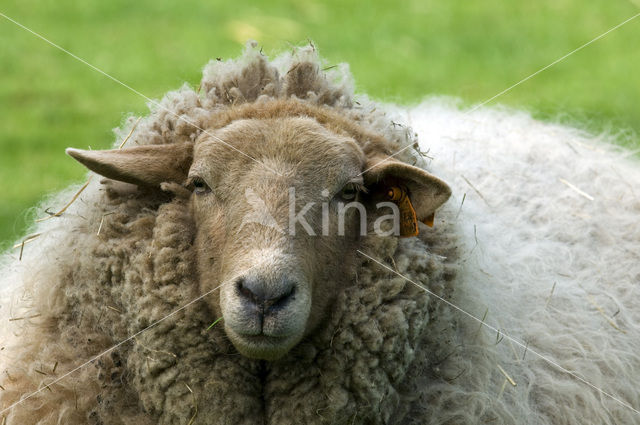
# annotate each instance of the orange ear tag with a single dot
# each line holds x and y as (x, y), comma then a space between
(408, 220)
(429, 220)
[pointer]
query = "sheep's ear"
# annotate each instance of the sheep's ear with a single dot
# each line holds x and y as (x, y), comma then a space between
(142, 165)
(416, 192)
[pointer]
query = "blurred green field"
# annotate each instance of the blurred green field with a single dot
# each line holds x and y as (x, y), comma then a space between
(398, 51)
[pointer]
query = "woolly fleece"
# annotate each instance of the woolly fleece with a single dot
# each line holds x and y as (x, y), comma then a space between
(390, 353)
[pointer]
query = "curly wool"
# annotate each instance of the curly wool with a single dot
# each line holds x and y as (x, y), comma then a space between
(390, 352)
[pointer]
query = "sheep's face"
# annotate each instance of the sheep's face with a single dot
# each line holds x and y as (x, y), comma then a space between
(268, 227)
(275, 241)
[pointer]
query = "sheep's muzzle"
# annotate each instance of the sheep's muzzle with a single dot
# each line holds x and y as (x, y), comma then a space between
(265, 313)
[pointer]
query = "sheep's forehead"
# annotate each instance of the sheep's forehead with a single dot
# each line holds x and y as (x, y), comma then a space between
(297, 147)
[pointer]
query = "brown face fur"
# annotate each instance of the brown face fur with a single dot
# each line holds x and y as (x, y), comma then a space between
(256, 167)
(233, 244)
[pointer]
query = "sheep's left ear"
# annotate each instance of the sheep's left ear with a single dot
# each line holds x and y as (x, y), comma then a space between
(417, 193)
(142, 165)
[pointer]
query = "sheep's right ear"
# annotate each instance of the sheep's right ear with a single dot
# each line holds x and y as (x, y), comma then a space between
(142, 165)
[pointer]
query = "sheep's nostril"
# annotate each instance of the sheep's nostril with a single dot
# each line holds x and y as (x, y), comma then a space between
(280, 302)
(265, 294)
(245, 292)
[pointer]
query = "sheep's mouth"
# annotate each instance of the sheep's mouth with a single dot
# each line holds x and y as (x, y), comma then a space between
(262, 346)
(263, 339)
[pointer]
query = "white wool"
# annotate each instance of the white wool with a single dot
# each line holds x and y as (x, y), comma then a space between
(528, 224)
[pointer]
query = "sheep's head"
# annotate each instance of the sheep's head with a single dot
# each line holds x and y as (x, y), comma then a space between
(272, 230)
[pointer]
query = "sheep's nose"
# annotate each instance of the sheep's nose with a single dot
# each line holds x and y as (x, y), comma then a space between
(267, 296)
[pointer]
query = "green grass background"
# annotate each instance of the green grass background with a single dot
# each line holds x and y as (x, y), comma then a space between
(399, 51)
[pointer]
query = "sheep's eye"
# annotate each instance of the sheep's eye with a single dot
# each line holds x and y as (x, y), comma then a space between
(199, 186)
(349, 192)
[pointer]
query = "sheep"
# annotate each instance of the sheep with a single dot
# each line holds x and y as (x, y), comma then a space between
(153, 299)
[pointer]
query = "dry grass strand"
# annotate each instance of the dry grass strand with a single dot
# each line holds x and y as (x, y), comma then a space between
(602, 312)
(195, 405)
(575, 189)
(506, 375)
(59, 213)
(130, 133)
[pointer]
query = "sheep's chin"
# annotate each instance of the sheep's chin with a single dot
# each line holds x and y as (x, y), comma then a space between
(262, 347)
